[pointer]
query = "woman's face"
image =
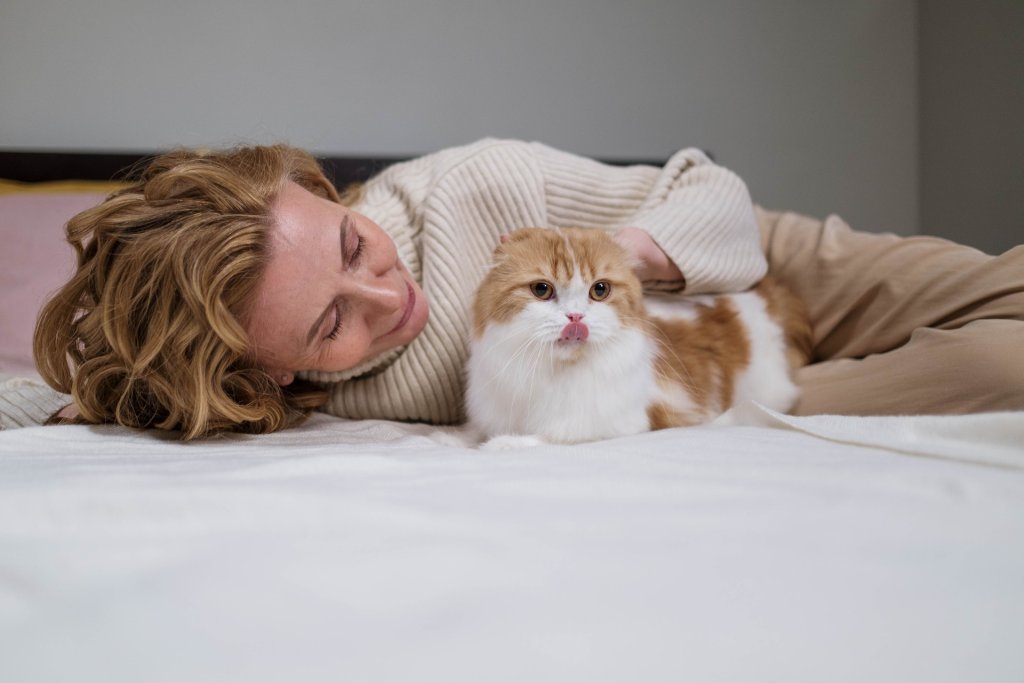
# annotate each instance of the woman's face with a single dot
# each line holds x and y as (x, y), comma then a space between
(334, 293)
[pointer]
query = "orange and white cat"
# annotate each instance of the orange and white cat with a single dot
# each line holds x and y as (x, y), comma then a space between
(566, 347)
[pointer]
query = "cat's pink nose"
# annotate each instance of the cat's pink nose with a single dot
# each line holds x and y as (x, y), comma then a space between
(574, 317)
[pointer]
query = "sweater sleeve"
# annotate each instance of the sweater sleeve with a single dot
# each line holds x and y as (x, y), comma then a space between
(26, 402)
(699, 213)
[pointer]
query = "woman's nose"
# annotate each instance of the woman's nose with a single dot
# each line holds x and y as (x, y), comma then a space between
(380, 295)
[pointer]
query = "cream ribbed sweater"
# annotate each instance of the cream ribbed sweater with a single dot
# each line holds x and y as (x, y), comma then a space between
(27, 401)
(446, 212)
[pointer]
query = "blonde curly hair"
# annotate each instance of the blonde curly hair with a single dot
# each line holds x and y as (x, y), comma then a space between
(149, 332)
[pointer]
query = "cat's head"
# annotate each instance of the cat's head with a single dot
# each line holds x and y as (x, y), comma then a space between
(569, 287)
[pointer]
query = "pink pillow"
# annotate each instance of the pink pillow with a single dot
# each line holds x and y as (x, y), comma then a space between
(35, 260)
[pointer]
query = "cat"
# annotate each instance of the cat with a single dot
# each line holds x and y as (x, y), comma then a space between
(566, 347)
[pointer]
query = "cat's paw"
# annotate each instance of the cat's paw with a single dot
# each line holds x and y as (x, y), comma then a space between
(507, 442)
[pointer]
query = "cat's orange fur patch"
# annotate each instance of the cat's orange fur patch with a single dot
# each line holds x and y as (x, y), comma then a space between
(704, 355)
(707, 354)
(790, 313)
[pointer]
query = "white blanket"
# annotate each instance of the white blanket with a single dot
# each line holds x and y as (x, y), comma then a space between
(782, 549)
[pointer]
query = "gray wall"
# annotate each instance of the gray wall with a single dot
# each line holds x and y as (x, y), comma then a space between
(814, 102)
(972, 121)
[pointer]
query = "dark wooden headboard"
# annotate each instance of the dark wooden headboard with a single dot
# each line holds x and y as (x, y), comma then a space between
(36, 167)
(43, 166)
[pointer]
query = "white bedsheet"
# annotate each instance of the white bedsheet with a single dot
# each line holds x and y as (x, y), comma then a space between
(784, 549)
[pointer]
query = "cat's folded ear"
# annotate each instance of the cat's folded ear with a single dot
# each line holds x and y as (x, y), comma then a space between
(499, 251)
(516, 235)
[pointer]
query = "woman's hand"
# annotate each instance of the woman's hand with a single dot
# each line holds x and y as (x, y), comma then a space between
(652, 264)
(68, 412)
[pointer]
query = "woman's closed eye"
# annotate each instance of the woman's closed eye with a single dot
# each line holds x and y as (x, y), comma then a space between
(357, 253)
(352, 243)
(336, 327)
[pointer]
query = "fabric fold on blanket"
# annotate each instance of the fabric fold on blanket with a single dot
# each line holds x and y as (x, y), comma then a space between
(994, 439)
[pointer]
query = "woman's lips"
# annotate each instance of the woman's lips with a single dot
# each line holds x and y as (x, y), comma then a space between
(410, 304)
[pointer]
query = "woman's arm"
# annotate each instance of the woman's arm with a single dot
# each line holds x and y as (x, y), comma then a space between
(698, 213)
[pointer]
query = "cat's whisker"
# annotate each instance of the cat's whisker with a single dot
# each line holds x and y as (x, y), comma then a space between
(537, 336)
(532, 382)
(514, 356)
(527, 344)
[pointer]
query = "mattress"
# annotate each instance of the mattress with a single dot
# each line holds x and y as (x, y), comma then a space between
(773, 549)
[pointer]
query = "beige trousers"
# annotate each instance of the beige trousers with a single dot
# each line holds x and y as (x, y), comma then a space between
(915, 325)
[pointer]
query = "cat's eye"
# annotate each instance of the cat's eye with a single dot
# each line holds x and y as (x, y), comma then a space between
(600, 290)
(542, 290)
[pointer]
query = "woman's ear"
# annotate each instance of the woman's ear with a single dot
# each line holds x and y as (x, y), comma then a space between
(283, 378)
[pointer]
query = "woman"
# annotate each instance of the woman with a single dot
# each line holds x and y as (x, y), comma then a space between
(237, 291)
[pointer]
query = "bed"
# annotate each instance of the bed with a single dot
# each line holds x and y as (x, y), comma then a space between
(774, 549)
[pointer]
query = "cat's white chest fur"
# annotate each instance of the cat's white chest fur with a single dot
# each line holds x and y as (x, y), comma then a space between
(523, 386)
